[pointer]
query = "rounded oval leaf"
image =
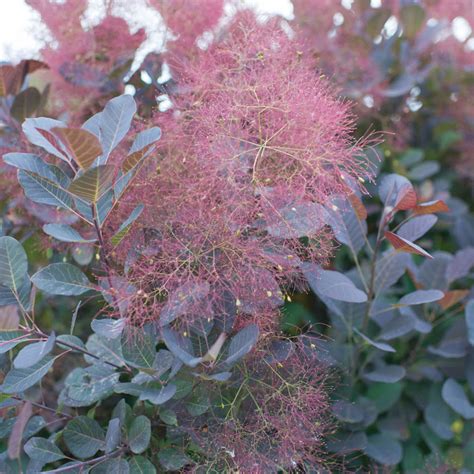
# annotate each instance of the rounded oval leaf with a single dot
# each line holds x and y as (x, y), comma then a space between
(139, 434)
(13, 263)
(18, 380)
(61, 279)
(33, 353)
(83, 437)
(337, 286)
(455, 396)
(242, 343)
(384, 449)
(421, 297)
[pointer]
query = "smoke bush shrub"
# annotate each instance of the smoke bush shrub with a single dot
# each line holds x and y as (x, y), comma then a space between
(264, 285)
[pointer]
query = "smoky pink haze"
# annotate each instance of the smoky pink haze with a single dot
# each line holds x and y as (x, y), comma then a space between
(188, 24)
(256, 144)
(86, 67)
(282, 425)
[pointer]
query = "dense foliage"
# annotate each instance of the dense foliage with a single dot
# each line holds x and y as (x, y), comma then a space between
(251, 250)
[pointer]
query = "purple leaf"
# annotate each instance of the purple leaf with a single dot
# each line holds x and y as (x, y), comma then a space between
(390, 187)
(379, 345)
(398, 326)
(384, 449)
(346, 226)
(454, 395)
(299, 220)
(421, 297)
(389, 268)
(337, 286)
(386, 374)
(417, 227)
(470, 322)
(460, 265)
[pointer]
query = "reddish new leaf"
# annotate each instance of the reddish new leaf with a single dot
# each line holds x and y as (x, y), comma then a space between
(134, 159)
(431, 207)
(14, 442)
(53, 141)
(452, 297)
(404, 245)
(7, 78)
(81, 145)
(358, 206)
(406, 198)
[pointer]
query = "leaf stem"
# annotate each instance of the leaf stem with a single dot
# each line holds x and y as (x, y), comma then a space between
(95, 461)
(44, 407)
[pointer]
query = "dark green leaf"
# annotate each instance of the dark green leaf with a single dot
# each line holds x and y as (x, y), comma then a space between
(139, 434)
(83, 437)
(384, 395)
(43, 450)
(33, 353)
(61, 279)
(158, 395)
(18, 380)
(13, 263)
(113, 435)
(141, 465)
(172, 459)
(138, 349)
(112, 466)
(199, 403)
(168, 416)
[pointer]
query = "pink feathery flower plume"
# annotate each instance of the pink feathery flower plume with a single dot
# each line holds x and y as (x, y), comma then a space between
(254, 147)
(280, 422)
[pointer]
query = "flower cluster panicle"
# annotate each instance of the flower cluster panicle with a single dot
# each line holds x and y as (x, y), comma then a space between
(277, 419)
(253, 149)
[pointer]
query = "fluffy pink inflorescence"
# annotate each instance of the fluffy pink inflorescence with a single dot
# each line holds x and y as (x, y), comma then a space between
(188, 21)
(87, 65)
(280, 420)
(255, 146)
